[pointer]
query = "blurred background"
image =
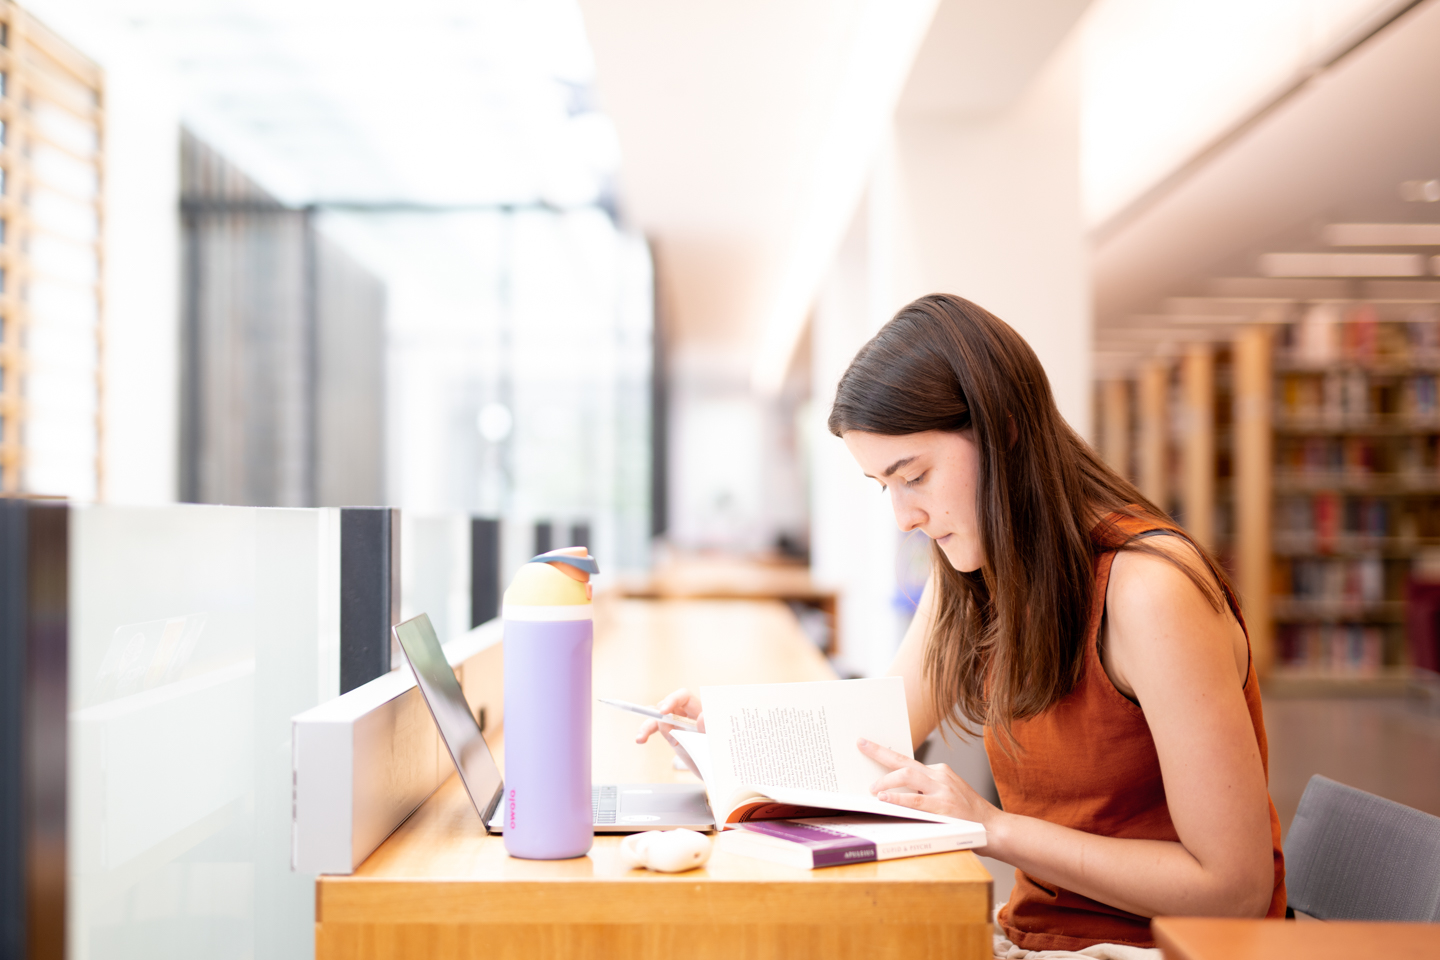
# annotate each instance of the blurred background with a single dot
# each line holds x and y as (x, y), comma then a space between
(590, 270)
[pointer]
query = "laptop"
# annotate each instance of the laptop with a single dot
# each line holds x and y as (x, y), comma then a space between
(618, 808)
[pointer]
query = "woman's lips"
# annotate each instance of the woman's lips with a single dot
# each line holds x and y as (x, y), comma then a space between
(941, 540)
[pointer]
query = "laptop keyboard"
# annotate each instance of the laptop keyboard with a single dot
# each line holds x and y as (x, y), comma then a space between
(604, 803)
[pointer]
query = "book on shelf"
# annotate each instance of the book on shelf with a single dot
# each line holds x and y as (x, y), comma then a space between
(813, 842)
(779, 751)
(1333, 649)
(1329, 333)
(1422, 624)
(1354, 581)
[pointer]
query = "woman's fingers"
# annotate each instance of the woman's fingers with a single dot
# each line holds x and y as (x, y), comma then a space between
(913, 778)
(885, 756)
(699, 724)
(681, 702)
(651, 727)
(917, 801)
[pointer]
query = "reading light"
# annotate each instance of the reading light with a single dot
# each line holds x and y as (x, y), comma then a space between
(1420, 191)
(1342, 265)
(1383, 234)
(495, 422)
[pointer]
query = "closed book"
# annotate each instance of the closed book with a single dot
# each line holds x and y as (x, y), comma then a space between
(812, 842)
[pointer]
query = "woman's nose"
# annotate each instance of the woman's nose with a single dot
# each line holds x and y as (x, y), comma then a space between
(907, 514)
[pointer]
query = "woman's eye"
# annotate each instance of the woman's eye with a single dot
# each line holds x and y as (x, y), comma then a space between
(919, 479)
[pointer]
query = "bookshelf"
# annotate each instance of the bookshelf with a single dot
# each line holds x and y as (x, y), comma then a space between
(1356, 487)
(1301, 444)
(51, 262)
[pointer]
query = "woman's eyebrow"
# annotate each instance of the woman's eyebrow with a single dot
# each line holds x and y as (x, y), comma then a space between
(890, 471)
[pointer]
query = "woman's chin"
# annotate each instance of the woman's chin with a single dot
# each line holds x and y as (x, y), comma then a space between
(963, 562)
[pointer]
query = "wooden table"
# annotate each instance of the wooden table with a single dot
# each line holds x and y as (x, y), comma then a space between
(440, 888)
(1197, 938)
(700, 577)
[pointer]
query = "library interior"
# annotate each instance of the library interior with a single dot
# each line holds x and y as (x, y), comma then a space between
(322, 319)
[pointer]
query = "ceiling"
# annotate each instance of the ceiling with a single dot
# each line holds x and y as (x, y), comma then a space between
(1337, 151)
(1161, 81)
(977, 58)
(456, 101)
(748, 128)
(742, 132)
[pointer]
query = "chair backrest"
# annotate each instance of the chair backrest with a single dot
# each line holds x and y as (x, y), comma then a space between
(1351, 855)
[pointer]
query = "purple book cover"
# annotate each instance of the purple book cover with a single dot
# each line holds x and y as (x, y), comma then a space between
(829, 847)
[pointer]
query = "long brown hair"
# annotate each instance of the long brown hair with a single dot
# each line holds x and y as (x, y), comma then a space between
(1007, 640)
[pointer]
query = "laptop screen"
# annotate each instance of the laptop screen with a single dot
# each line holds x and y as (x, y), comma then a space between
(452, 714)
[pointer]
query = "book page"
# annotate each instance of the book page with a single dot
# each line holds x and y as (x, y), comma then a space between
(802, 735)
(881, 830)
(858, 803)
(697, 751)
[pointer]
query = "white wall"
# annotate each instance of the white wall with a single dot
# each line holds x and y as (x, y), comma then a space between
(990, 209)
(853, 536)
(984, 207)
(142, 261)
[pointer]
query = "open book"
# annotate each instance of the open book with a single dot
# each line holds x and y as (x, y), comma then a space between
(785, 750)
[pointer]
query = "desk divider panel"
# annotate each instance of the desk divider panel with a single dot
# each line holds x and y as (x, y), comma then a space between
(365, 761)
(34, 547)
(369, 592)
(195, 633)
(485, 589)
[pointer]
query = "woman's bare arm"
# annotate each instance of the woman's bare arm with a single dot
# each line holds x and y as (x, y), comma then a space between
(909, 663)
(1175, 651)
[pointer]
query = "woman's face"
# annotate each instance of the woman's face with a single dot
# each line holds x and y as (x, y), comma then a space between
(931, 478)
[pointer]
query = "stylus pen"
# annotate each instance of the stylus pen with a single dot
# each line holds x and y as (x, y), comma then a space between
(684, 723)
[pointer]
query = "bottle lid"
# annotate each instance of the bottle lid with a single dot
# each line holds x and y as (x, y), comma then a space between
(560, 578)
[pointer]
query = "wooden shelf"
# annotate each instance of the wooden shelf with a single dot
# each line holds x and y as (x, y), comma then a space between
(1368, 427)
(1373, 484)
(1388, 367)
(1350, 545)
(1388, 682)
(1292, 610)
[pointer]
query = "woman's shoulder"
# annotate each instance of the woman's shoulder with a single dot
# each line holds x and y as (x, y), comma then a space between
(1159, 569)
(1165, 607)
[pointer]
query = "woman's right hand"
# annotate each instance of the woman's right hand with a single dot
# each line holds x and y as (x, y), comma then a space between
(681, 703)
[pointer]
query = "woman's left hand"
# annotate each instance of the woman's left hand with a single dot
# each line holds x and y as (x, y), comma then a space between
(938, 789)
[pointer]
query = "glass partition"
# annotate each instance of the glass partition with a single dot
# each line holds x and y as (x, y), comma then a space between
(196, 633)
(435, 572)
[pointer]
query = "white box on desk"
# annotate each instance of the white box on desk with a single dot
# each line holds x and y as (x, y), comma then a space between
(363, 762)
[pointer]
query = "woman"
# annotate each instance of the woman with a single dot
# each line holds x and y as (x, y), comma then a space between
(1101, 650)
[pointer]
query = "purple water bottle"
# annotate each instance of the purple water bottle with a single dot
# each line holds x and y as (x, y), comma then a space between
(549, 634)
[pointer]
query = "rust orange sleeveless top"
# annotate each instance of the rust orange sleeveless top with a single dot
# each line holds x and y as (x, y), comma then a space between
(1089, 762)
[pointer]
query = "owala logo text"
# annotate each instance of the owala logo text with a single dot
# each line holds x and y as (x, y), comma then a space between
(512, 809)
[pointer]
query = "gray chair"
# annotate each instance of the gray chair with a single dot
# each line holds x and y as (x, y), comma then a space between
(1351, 855)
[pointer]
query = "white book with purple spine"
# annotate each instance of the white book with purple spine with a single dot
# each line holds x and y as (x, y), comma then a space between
(812, 842)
